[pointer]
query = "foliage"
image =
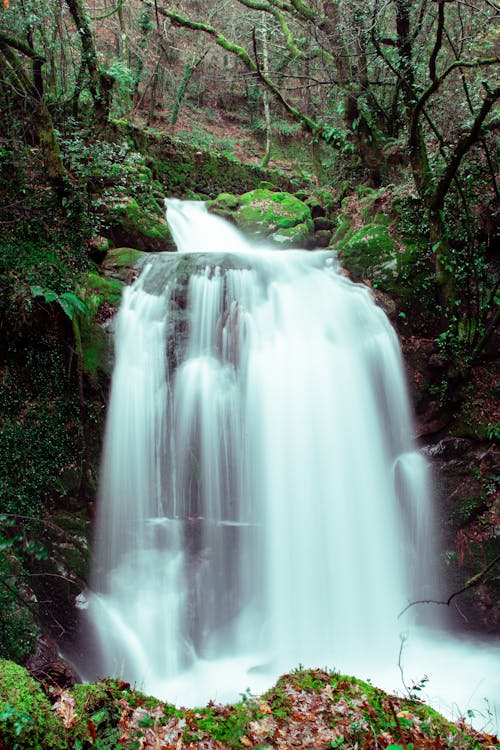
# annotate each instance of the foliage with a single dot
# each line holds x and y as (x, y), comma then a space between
(277, 214)
(308, 708)
(27, 721)
(17, 621)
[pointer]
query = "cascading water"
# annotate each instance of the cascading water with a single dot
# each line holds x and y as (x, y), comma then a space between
(262, 503)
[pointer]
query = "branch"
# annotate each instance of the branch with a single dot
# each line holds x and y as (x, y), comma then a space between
(462, 147)
(436, 83)
(471, 583)
(313, 127)
(267, 8)
(110, 13)
(438, 43)
(20, 46)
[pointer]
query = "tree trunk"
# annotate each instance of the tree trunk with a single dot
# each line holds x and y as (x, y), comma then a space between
(100, 84)
(42, 120)
(265, 97)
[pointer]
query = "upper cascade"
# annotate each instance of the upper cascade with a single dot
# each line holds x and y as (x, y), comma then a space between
(194, 229)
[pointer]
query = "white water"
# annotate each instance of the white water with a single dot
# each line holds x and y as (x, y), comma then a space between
(262, 504)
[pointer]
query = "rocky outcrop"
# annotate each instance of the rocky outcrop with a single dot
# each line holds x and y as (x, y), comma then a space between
(467, 495)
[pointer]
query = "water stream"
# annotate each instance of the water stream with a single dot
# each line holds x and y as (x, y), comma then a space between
(262, 503)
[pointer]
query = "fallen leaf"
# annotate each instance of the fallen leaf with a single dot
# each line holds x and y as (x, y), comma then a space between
(65, 707)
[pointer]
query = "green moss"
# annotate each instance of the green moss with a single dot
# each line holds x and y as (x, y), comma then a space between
(102, 297)
(132, 226)
(98, 712)
(278, 210)
(27, 721)
(121, 257)
(278, 215)
(226, 201)
(368, 250)
(295, 236)
(105, 291)
(185, 169)
(226, 726)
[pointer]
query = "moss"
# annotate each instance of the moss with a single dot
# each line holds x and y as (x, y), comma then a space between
(107, 291)
(71, 545)
(184, 169)
(102, 297)
(225, 726)
(278, 215)
(132, 226)
(281, 210)
(26, 717)
(295, 236)
(368, 252)
(97, 711)
(226, 201)
(122, 257)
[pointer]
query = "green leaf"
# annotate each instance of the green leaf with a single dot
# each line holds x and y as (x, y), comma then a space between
(77, 303)
(47, 294)
(67, 307)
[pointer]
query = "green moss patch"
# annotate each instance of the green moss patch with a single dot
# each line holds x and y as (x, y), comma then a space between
(132, 226)
(367, 252)
(307, 708)
(26, 717)
(276, 215)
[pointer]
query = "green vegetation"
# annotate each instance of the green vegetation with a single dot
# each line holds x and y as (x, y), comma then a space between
(385, 154)
(27, 721)
(305, 708)
(267, 213)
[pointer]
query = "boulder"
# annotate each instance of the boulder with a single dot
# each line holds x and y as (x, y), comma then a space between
(269, 215)
(132, 226)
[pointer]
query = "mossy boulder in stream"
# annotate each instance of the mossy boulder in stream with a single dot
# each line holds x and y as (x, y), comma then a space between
(280, 216)
(276, 216)
(130, 225)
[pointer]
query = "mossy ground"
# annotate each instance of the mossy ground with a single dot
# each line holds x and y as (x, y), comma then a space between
(307, 708)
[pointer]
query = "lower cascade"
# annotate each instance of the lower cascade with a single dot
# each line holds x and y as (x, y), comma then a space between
(262, 503)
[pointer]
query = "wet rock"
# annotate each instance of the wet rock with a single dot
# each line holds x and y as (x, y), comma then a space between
(47, 665)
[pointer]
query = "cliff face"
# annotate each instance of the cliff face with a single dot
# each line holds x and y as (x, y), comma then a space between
(455, 423)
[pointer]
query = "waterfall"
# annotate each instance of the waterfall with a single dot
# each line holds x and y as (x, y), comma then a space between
(262, 504)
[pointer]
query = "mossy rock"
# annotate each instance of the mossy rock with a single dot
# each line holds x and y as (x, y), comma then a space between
(225, 205)
(26, 717)
(226, 201)
(102, 297)
(133, 227)
(186, 170)
(121, 263)
(102, 290)
(279, 216)
(368, 252)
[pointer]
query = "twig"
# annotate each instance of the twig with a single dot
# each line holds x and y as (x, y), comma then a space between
(474, 581)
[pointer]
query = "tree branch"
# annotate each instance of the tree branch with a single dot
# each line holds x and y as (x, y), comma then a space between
(438, 43)
(471, 583)
(310, 125)
(462, 147)
(20, 46)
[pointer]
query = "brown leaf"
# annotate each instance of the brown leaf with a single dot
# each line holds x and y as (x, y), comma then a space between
(92, 729)
(65, 709)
